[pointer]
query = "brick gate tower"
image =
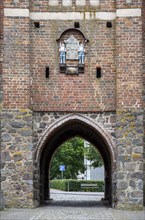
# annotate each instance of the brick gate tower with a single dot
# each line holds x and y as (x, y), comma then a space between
(72, 67)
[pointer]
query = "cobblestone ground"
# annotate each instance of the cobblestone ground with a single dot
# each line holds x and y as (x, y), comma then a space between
(72, 206)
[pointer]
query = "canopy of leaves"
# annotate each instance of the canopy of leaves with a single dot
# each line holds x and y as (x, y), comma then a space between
(92, 154)
(70, 154)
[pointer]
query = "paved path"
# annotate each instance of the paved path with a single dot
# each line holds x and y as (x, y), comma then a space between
(72, 206)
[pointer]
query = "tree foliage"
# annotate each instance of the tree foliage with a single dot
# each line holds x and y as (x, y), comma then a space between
(92, 154)
(70, 154)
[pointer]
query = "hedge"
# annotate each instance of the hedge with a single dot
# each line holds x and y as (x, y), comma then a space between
(75, 185)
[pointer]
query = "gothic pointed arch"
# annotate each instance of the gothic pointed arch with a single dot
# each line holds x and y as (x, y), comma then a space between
(60, 131)
(78, 119)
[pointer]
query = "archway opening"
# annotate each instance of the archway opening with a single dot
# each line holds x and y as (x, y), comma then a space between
(64, 131)
(77, 174)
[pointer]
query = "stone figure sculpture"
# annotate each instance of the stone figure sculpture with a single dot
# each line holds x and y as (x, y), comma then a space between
(62, 51)
(81, 53)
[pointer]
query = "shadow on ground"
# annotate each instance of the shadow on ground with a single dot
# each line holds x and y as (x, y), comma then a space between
(72, 203)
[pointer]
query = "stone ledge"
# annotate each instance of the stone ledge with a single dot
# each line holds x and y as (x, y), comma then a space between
(9, 12)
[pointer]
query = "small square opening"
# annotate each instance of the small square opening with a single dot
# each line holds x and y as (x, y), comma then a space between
(37, 24)
(98, 72)
(47, 72)
(76, 24)
(109, 24)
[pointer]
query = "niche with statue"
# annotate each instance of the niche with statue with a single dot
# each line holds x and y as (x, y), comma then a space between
(72, 51)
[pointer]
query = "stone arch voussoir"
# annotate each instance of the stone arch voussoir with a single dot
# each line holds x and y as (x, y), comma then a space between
(106, 136)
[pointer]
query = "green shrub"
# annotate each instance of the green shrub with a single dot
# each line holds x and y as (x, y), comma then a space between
(75, 185)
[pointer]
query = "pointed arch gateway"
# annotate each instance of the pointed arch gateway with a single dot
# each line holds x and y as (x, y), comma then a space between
(62, 129)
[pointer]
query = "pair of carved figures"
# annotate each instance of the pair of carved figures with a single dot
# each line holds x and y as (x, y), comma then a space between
(63, 51)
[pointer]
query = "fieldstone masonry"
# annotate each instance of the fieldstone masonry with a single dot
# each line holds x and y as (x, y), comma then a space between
(41, 121)
(32, 104)
(129, 137)
(16, 156)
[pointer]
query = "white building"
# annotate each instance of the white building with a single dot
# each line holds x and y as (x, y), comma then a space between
(91, 173)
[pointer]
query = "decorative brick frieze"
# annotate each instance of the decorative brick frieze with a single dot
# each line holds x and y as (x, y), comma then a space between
(129, 3)
(72, 5)
(16, 3)
(80, 2)
(94, 2)
(53, 2)
(67, 3)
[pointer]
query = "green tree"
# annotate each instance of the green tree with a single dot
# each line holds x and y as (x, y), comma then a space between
(92, 154)
(70, 154)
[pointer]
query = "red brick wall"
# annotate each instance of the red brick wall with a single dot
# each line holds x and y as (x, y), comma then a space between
(73, 93)
(124, 4)
(129, 62)
(107, 5)
(16, 71)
